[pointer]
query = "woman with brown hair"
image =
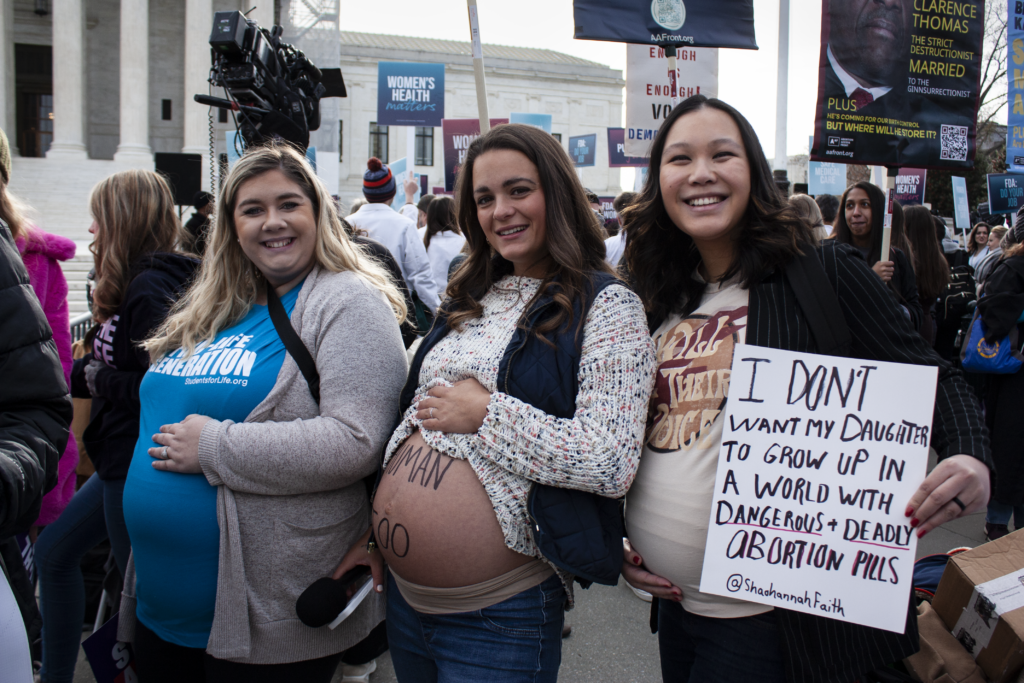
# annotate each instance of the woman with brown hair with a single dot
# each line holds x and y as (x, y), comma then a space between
(977, 244)
(442, 238)
(711, 242)
(534, 378)
(138, 277)
(930, 267)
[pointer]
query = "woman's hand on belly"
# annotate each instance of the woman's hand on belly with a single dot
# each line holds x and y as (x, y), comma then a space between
(637, 577)
(360, 554)
(177, 448)
(458, 409)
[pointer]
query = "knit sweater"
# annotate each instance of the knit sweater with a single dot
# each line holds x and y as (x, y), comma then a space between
(42, 253)
(291, 499)
(596, 450)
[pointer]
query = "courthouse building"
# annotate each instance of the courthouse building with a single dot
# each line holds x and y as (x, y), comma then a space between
(90, 87)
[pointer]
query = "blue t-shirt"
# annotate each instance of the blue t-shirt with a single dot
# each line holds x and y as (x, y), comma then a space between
(172, 517)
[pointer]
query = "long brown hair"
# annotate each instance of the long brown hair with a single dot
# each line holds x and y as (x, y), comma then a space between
(971, 245)
(575, 240)
(661, 258)
(134, 212)
(440, 217)
(930, 266)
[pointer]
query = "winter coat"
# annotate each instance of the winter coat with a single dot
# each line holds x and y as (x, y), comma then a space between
(111, 435)
(41, 252)
(35, 408)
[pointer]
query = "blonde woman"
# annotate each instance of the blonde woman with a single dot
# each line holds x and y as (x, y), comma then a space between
(137, 278)
(243, 487)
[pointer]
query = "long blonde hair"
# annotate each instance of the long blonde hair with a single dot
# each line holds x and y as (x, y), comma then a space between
(229, 283)
(134, 211)
(12, 212)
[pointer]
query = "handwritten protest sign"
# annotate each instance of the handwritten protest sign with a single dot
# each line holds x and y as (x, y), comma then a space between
(819, 458)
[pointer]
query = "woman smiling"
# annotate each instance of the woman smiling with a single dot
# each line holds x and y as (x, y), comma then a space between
(537, 372)
(711, 242)
(244, 481)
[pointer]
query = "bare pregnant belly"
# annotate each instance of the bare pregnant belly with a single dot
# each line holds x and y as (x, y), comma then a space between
(434, 523)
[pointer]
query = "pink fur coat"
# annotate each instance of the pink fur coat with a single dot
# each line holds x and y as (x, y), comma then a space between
(41, 252)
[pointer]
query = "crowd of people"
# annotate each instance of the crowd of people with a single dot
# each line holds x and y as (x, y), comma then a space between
(282, 390)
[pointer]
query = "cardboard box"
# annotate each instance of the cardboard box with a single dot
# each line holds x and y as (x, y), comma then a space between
(981, 600)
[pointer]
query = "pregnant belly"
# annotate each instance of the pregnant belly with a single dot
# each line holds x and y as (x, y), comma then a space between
(434, 523)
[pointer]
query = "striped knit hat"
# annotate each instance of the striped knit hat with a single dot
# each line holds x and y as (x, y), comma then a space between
(378, 183)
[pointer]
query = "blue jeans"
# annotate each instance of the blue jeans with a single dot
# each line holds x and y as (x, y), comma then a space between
(93, 514)
(696, 649)
(1000, 513)
(518, 640)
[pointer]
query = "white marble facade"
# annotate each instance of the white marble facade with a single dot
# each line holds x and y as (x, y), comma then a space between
(107, 111)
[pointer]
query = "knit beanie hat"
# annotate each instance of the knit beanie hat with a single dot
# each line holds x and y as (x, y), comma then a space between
(378, 183)
(5, 158)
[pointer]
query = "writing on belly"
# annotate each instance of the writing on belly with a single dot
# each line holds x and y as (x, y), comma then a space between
(420, 462)
(694, 367)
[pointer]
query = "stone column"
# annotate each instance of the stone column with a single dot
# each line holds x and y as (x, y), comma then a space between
(134, 148)
(7, 120)
(68, 80)
(198, 24)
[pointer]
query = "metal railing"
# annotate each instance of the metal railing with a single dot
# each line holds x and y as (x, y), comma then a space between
(80, 324)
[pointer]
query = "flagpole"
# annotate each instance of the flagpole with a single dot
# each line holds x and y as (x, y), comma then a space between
(478, 67)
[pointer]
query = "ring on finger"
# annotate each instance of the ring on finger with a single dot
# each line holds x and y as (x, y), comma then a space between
(963, 508)
(431, 413)
(165, 453)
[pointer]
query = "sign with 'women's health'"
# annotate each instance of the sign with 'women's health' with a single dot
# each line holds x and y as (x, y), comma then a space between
(410, 94)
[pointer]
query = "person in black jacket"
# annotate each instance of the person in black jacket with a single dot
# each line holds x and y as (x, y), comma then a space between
(138, 277)
(35, 414)
(711, 241)
(859, 224)
(1001, 309)
(198, 225)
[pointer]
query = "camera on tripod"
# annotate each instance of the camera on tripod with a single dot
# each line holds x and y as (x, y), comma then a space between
(273, 89)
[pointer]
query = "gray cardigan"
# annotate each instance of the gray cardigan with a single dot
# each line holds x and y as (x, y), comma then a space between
(290, 496)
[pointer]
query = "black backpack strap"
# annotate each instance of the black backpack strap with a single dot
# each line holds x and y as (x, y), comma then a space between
(818, 301)
(292, 343)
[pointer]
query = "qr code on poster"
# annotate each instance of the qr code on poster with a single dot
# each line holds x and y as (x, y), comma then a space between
(954, 143)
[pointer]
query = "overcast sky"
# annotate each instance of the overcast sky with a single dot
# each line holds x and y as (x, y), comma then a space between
(747, 78)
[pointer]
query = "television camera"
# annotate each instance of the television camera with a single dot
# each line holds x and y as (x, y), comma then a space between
(273, 90)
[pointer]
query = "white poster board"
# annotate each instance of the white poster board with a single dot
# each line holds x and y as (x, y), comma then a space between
(820, 456)
(648, 98)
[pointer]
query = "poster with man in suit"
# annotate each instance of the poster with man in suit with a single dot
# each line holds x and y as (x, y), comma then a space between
(898, 82)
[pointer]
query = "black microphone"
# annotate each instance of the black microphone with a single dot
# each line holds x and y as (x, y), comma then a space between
(326, 598)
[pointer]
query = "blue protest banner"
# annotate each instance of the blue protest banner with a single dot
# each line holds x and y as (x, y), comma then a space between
(542, 121)
(1004, 192)
(410, 94)
(617, 151)
(111, 660)
(961, 209)
(698, 23)
(1015, 88)
(583, 150)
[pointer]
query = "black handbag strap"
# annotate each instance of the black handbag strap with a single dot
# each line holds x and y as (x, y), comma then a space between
(303, 358)
(818, 301)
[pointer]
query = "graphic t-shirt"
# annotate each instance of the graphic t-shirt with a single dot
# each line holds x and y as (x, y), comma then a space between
(669, 504)
(172, 517)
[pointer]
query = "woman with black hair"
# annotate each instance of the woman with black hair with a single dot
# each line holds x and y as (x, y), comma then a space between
(930, 268)
(538, 371)
(710, 241)
(859, 224)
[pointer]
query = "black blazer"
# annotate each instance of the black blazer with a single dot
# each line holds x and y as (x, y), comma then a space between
(825, 650)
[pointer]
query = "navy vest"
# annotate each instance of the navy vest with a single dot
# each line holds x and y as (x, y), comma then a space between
(577, 531)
